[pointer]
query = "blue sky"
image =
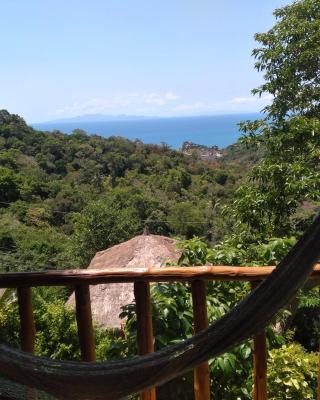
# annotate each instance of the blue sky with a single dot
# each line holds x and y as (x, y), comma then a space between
(64, 58)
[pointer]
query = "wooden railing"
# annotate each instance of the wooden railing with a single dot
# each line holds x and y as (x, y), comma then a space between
(142, 277)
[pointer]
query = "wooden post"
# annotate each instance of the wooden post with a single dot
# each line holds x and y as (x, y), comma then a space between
(318, 388)
(200, 318)
(84, 322)
(27, 327)
(144, 327)
(259, 363)
(318, 385)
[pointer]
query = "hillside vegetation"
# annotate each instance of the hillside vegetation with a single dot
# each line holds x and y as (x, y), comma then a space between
(56, 189)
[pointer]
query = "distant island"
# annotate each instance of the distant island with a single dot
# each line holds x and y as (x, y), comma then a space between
(99, 118)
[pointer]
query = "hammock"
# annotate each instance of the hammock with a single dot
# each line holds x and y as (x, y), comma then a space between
(117, 380)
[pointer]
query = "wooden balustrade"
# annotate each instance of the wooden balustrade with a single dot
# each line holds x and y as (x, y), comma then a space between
(84, 322)
(27, 327)
(200, 318)
(318, 385)
(259, 362)
(144, 327)
(197, 276)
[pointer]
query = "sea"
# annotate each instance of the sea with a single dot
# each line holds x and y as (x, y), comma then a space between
(216, 130)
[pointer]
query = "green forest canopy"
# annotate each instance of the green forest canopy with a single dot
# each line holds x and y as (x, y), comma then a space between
(55, 189)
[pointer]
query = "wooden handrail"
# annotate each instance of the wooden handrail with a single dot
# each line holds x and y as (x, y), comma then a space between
(141, 277)
(164, 274)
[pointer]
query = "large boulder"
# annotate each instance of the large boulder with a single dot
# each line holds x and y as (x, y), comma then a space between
(142, 251)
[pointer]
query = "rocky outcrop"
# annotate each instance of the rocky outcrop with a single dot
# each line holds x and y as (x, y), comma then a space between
(141, 251)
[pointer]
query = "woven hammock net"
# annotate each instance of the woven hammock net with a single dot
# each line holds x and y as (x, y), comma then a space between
(14, 391)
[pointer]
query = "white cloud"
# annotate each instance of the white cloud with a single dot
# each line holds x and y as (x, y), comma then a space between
(253, 99)
(127, 102)
(192, 106)
(160, 103)
(158, 99)
(237, 104)
(242, 100)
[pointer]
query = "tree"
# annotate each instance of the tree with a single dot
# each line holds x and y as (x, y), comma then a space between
(9, 190)
(290, 132)
(289, 58)
(186, 219)
(113, 219)
(270, 203)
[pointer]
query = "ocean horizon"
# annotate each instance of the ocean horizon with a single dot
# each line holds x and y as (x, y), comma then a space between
(215, 130)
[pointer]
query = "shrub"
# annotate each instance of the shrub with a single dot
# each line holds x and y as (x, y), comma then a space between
(292, 373)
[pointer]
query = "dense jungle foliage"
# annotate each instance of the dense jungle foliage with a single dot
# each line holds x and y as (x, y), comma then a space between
(56, 189)
(64, 197)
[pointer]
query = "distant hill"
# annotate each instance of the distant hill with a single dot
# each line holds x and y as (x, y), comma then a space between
(99, 118)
